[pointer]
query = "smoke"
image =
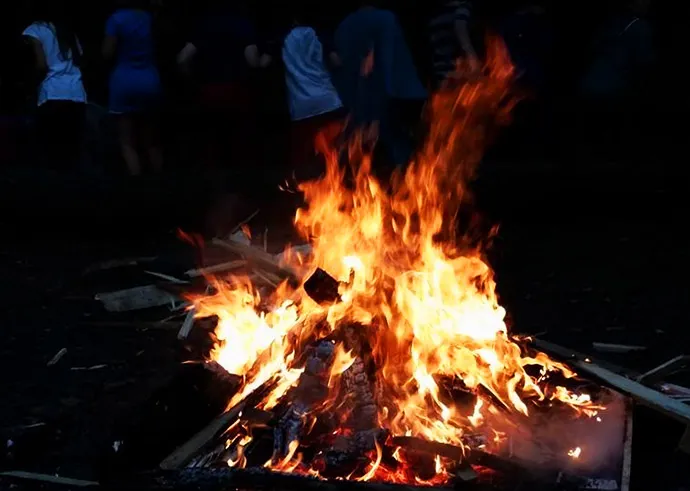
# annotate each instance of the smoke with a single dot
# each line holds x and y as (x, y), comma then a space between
(546, 437)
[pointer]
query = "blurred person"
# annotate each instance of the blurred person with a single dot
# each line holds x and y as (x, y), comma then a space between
(61, 99)
(614, 87)
(450, 38)
(529, 38)
(623, 51)
(377, 79)
(221, 55)
(314, 104)
(135, 87)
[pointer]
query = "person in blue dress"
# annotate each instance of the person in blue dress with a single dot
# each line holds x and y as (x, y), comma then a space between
(135, 86)
(377, 80)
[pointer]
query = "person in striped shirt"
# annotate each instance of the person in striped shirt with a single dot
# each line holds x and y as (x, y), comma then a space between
(450, 39)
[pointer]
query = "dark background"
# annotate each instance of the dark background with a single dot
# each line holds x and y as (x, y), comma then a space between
(589, 248)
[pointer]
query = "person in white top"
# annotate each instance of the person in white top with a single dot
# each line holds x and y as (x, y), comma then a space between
(61, 94)
(314, 104)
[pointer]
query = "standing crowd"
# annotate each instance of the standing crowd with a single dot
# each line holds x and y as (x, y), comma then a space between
(358, 72)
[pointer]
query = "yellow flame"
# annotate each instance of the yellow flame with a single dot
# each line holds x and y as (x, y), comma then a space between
(373, 467)
(424, 296)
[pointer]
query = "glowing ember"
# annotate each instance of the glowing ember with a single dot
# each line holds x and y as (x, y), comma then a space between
(422, 298)
(575, 453)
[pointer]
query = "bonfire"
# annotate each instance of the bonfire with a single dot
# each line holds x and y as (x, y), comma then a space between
(403, 368)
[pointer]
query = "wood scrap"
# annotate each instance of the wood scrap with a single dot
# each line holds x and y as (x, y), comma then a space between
(216, 268)
(676, 391)
(656, 374)
(260, 258)
(138, 298)
(187, 325)
(267, 278)
(33, 476)
(31, 426)
(117, 263)
(57, 357)
(166, 277)
(617, 348)
(86, 369)
(459, 454)
(244, 222)
(640, 393)
(627, 448)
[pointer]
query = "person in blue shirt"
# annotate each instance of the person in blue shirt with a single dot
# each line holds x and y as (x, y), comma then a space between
(135, 86)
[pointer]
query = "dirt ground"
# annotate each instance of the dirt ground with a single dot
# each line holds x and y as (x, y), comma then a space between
(583, 255)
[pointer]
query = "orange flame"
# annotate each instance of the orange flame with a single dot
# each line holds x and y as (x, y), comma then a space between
(426, 294)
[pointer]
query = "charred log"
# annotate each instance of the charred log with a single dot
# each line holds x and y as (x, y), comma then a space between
(311, 390)
(322, 287)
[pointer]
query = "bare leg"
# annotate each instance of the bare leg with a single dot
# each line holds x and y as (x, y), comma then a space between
(149, 135)
(128, 144)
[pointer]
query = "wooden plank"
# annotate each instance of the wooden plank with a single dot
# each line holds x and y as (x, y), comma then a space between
(643, 395)
(216, 268)
(261, 258)
(187, 325)
(138, 298)
(617, 348)
(57, 357)
(33, 476)
(244, 222)
(192, 447)
(657, 374)
(167, 277)
(627, 447)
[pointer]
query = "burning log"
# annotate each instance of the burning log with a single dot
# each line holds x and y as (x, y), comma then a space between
(460, 454)
(311, 389)
(640, 393)
(186, 452)
(362, 405)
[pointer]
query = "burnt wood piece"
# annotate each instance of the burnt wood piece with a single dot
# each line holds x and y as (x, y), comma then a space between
(217, 268)
(311, 390)
(226, 479)
(203, 438)
(473, 456)
(256, 417)
(322, 287)
(360, 400)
